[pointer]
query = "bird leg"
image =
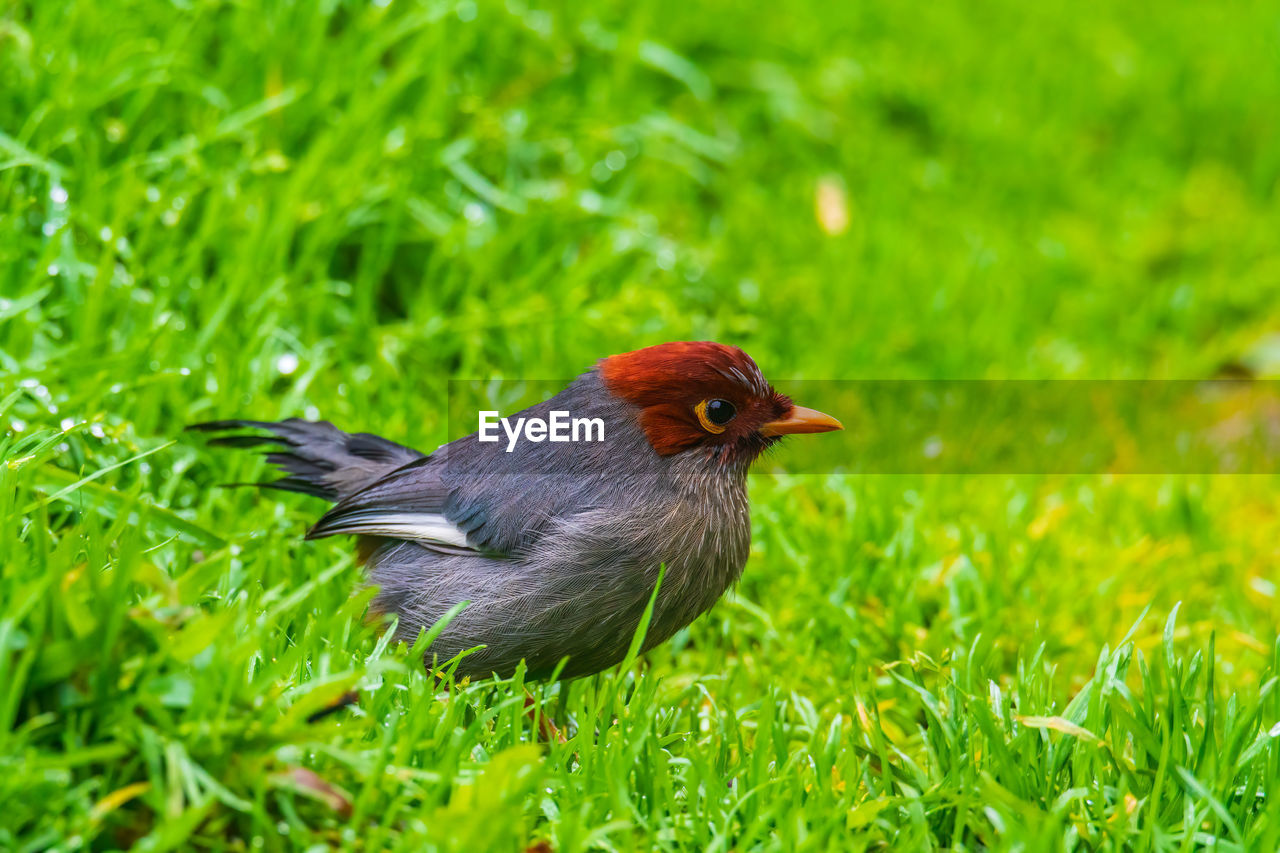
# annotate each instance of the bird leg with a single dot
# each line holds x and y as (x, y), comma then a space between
(548, 731)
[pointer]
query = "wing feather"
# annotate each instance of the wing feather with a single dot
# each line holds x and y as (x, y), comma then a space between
(407, 504)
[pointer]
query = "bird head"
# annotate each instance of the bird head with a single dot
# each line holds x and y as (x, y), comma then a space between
(706, 395)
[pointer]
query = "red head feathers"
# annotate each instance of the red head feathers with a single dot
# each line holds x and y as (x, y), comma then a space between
(704, 394)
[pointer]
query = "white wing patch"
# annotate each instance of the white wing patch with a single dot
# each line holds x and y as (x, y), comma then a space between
(426, 526)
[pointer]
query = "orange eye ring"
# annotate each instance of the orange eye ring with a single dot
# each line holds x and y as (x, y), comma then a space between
(705, 417)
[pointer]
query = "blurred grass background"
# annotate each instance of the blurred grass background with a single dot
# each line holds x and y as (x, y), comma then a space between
(331, 209)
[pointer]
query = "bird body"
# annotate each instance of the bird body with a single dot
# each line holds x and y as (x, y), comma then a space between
(556, 548)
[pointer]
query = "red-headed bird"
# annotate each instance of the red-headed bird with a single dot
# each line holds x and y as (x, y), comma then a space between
(556, 546)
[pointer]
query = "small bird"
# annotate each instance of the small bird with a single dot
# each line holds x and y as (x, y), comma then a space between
(555, 547)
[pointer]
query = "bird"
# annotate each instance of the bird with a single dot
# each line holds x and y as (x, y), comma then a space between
(553, 550)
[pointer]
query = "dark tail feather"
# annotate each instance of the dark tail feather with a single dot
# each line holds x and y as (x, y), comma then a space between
(318, 458)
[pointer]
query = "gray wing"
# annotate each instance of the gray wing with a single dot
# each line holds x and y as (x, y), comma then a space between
(407, 503)
(477, 497)
(384, 489)
(415, 503)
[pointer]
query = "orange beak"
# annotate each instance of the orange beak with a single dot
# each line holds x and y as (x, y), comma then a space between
(800, 420)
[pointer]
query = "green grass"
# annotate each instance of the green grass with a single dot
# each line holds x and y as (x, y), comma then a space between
(400, 196)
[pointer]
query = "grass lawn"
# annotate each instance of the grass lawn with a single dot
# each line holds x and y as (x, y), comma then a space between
(330, 209)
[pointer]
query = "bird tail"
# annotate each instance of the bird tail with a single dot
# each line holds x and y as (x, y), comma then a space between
(316, 457)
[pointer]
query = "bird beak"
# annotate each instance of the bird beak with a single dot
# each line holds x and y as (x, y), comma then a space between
(799, 420)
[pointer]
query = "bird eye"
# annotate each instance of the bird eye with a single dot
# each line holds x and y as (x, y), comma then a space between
(715, 414)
